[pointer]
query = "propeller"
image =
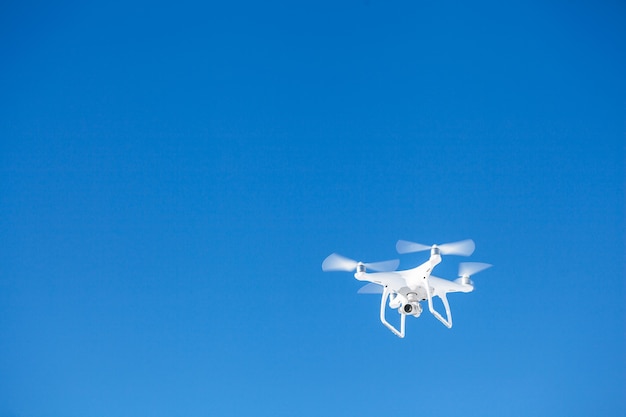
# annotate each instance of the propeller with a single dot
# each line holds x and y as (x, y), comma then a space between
(336, 262)
(470, 268)
(404, 246)
(462, 247)
(371, 288)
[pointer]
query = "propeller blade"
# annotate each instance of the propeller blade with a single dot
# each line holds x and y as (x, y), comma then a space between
(467, 269)
(336, 262)
(384, 266)
(463, 248)
(371, 288)
(404, 246)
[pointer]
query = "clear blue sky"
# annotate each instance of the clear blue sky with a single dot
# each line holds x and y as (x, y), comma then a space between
(173, 175)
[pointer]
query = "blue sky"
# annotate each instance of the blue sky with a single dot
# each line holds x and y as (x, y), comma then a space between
(173, 175)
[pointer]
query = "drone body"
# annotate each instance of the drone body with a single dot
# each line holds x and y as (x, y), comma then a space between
(406, 289)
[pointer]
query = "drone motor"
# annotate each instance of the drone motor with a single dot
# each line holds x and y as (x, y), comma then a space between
(464, 280)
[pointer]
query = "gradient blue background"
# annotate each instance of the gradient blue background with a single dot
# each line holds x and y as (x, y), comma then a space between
(173, 175)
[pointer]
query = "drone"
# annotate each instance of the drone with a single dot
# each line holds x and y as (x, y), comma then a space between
(407, 288)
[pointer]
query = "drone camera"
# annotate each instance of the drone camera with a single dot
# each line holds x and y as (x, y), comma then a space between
(413, 308)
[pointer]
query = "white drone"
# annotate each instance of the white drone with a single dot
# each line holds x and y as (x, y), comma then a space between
(406, 289)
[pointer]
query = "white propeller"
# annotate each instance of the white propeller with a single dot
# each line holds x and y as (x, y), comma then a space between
(371, 288)
(462, 247)
(336, 262)
(467, 269)
(404, 246)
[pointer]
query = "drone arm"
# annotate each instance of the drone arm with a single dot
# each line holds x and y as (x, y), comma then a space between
(448, 320)
(383, 306)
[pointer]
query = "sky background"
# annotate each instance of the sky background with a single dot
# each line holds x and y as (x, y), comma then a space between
(173, 174)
